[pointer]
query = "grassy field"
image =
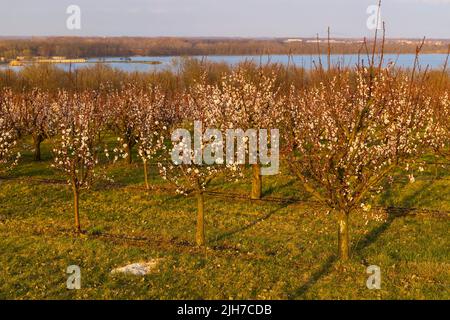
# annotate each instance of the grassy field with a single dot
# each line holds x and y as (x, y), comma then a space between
(256, 250)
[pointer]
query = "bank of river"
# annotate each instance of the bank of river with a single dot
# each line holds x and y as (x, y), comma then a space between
(146, 64)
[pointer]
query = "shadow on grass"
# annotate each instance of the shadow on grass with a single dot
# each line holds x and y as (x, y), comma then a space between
(270, 190)
(324, 269)
(410, 200)
(373, 235)
(356, 250)
(248, 226)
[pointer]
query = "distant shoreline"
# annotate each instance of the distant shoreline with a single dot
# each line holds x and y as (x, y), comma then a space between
(140, 63)
(81, 47)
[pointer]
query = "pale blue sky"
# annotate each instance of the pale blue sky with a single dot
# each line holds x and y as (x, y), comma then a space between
(243, 18)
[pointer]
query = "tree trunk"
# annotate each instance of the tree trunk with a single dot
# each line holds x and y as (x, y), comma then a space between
(343, 236)
(256, 182)
(76, 201)
(147, 186)
(128, 149)
(37, 147)
(200, 234)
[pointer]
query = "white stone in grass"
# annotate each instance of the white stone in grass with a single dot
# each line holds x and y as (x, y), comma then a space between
(138, 269)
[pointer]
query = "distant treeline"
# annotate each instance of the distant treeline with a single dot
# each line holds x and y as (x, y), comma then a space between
(75, 47)
(102, 77)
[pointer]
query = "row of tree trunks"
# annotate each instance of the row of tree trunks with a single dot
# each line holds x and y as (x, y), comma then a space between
(343, 219)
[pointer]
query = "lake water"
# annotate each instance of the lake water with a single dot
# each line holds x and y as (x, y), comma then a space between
(434, 61)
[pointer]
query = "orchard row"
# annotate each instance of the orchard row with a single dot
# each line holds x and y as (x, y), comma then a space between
(341, 137)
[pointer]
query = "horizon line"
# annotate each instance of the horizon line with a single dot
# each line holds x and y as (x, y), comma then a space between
(12, 37)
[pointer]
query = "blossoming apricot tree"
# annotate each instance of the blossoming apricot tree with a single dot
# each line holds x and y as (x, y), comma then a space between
(124, 107)
(78, 146)
(152, 126)
(350, 132)
(192, 173)
(250, 102)
(441, 125)
(37, 118)
(9, 133)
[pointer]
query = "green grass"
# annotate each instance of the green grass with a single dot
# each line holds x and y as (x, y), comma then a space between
(256, 250)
